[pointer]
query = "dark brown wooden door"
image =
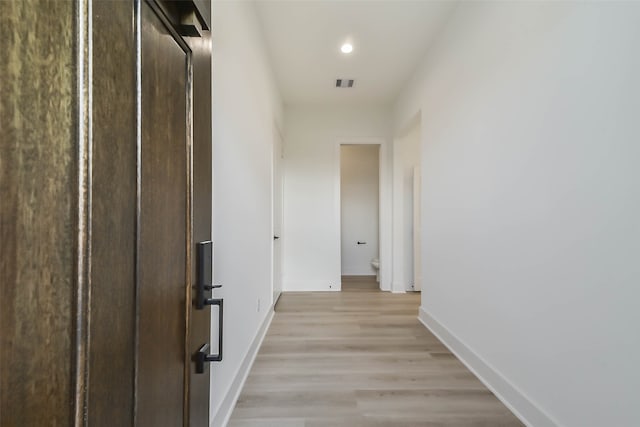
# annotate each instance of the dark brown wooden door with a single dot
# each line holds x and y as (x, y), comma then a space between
(102, 201)
(164, 236)
(38, 205)
(200, 321)
(174, 214)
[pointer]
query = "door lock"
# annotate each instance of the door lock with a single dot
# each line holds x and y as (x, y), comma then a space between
(204, 257)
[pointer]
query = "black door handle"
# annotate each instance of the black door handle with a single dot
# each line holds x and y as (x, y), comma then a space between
(276, 237)
(202, 356)
(362, 243)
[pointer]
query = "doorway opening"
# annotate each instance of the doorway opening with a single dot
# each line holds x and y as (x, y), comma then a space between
(360, 215)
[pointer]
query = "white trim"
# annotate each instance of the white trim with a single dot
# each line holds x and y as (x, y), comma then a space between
(397, 287)
(519, 403)
(221, 417)
(385, 198)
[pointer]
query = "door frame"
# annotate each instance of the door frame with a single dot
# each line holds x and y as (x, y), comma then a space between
(384, 209)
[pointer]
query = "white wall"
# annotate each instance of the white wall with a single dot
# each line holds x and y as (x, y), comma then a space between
(359, 205)
(406, 157)
(245, 106)
(312, 182)
(531, 203)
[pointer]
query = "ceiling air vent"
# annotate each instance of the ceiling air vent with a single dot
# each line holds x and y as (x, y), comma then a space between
(344, 83)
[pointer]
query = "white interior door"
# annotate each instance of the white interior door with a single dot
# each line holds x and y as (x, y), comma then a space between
(277, 214)
(417, 232)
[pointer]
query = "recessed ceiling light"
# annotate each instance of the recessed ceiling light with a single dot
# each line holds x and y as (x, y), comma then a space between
(346, 48)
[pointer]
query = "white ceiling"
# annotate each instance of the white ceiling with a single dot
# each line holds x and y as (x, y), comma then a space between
(390, 38)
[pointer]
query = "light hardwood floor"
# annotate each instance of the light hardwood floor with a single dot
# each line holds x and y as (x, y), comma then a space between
(360, 358)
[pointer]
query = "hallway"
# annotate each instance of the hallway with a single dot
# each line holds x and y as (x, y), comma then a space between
(360, 357)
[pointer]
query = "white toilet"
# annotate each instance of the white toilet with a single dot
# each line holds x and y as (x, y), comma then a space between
(375, 263)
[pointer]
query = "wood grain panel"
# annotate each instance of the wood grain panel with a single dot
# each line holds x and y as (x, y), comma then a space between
(38, 184)
(112, 327)
(200, 319)
(163, 227)
(360, 358)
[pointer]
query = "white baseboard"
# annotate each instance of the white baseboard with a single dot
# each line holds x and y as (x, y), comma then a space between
(311, 285)
(385, 286)
(397, 287)
(221, 417)
(522, 406)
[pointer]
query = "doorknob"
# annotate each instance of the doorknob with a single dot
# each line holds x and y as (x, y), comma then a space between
(276, 237)
(202, 356)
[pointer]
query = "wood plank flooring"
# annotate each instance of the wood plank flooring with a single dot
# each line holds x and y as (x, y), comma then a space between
(360, 358)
